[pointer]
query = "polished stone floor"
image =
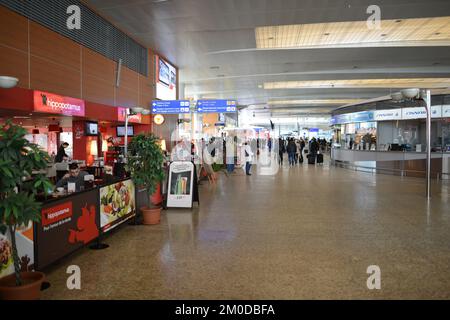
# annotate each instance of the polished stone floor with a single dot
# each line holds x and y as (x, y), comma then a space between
(308, 232)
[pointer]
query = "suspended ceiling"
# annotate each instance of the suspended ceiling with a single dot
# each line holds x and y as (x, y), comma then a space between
(237, 48)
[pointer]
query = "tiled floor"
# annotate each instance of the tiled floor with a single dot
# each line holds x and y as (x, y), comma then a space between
(308, 232)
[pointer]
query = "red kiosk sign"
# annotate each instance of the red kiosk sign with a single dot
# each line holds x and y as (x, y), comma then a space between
(53, 103)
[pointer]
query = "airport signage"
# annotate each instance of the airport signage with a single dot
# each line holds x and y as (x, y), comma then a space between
(383, 115)
(446, 110)
(363, 116)
(421, 113)
(216, 106)
(170, 106)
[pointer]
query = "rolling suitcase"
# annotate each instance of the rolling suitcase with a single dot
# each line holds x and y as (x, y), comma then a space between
(319, 158)
(311, 159)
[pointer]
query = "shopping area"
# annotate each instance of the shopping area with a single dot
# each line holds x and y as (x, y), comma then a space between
(391, 137)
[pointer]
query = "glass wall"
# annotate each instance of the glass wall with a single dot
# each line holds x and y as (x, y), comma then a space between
(359, 136)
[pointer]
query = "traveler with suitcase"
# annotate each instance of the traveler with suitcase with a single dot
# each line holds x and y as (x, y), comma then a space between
(320, 158)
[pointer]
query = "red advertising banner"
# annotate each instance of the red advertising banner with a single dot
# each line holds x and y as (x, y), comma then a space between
(57, 213)
(137, 118)
(53, 103)
(66, 226)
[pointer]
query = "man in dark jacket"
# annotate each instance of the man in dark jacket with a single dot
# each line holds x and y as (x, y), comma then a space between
(291, 150)
(314, 147)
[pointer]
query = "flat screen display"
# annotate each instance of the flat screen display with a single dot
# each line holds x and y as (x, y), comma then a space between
(166, 80)
(91, 129)
(121, 131)
(164, 72)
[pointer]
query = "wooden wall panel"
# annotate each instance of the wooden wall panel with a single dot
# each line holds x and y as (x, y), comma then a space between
(126, 97)
(13, 30)
(129, 79)
(98, 77)
(14, 63)
(97, 90)
(55, 78)
(98, 66)
(145, 91)
(45, 60)
(47, 44)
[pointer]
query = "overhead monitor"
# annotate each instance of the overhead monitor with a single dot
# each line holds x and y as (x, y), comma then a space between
(166, 80)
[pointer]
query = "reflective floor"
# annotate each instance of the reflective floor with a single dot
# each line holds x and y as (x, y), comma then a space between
(308, 232)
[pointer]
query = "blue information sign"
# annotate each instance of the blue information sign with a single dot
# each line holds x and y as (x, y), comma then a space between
(216, 106)
(170, 106)
(363, 116)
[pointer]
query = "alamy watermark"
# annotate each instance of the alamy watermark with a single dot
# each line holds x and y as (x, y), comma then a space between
(374, 280)
(74, 20)
(74, 280)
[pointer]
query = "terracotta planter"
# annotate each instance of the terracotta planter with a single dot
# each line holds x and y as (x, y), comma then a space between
(156, 197)
(151, 215)
(30, 290)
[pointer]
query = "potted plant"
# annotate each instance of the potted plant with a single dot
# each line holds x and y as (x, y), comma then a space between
(145, 164)
(19, 207)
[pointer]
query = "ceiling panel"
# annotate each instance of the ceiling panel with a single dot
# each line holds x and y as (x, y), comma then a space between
(213, 42)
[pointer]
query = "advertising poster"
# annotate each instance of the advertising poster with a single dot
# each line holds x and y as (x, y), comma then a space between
(180, 187)
(166, 80)
(25, 246)
(66, 225)
(117, 204)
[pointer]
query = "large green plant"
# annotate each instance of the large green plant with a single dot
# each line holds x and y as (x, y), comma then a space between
(18, 186)
(145, 161)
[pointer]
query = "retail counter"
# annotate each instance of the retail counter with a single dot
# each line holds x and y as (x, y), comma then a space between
(398, 162)
(69, 222)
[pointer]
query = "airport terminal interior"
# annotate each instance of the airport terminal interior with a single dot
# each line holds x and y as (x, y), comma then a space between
(224, 149)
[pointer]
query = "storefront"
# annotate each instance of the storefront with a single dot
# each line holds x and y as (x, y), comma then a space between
(393, 139)
(71, 218)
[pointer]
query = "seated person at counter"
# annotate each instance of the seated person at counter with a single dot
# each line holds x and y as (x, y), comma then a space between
(75, 176)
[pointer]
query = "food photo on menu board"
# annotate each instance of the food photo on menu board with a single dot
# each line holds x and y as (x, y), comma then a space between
(25, 250)
(117, 203)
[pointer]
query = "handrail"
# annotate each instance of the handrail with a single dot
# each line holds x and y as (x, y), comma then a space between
(338, 163)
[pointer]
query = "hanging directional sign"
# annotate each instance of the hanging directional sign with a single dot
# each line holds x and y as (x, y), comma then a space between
(170, 106)
(216, 106)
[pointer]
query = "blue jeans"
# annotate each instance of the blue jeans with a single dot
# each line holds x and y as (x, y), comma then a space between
(248, 167)
(291, 158)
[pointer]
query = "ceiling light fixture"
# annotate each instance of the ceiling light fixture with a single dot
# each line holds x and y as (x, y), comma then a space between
(8, 82)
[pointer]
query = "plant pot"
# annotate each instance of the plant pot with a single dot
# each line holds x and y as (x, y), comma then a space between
(151, 216)
(156, 198)
(30, 290)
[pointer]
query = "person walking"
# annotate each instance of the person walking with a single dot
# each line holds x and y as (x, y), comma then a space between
(314, 148)
(291, 150)
(248, 158)
(281, 150)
